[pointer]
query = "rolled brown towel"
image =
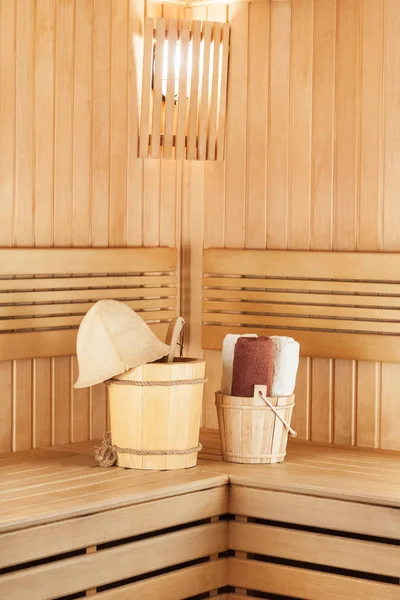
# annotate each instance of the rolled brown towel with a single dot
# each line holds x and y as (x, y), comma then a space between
(253, 364)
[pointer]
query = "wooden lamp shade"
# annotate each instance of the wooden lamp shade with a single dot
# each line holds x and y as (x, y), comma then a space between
(184, 87)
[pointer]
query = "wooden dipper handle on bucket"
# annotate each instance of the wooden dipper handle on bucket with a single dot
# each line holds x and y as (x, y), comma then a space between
(173, 336)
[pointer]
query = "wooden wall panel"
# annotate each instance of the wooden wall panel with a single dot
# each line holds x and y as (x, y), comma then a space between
(321, 175)
(313, 139)
(69, 176)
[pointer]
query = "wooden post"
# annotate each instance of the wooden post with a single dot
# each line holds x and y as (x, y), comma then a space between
(91, 550)
(240, 554)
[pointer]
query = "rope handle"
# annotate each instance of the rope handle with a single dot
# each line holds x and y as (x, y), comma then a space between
(290, 430)
(155, 383)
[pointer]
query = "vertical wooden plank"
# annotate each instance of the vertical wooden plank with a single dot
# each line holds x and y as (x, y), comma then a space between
(41, 435)
(157, 91)
(63, 207)
(168, 203)
(322, 400)
(278, 138)
(98, 411)
(390, 422)
(214, 93)
(344, 402)
(24, 188)
(389, 426)
(370, 200)
(22, 410)
(323, 124)
(44, 205)
(221, 128)
(82, 179)
(196, 200)
(6, 406)
(7, 119)
(82, 142)
(302, 412)
(180, 146)
(368, 404)
(346, 180)
(44, 122)
(214, 212)
(147, 71)
(61, 400)
(101, 123)
(204, 94)
(301, 72)
(191, 151)
(370, 196)
(64, 91)
(214, 172)
(170, 98)
(118, 132)
(257, 125)
(80, 408)
(7, 185)
(346, 159)
(391, 205)
(235, 167)
(151, 193)
(151, 177)
(134, 218)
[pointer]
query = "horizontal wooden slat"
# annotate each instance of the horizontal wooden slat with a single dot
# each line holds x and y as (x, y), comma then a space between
(42, 344)
(71, 295)
(313, 343)
(78, 307)
(191, 581)
(92, 570)
(350, 312)
(38, 261)
(305, 298)
(303, 583)
(292, 263)
(304, 323)
(339, 552)
(65, 321)
(304, 285)
(312, 511)
(118, 281)
(46, 540)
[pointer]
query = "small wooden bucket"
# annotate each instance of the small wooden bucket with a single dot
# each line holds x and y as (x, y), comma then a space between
(250, 431)
(156, 425)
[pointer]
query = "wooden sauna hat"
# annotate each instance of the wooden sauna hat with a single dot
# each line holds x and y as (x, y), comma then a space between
(112, 338)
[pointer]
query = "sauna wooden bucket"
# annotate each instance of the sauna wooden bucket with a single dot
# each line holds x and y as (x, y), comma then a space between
(155, 420)
(250, 431)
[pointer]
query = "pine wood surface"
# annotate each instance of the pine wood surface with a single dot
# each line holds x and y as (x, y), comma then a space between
(291, 581)
(312, 163)
(43, 486)
(46, 485)
(319, 470)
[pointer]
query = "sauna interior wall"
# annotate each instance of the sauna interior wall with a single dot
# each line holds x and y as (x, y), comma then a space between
(313, 155)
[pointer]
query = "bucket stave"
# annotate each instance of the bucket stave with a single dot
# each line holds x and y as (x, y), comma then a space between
(249, 430)
(155, 417)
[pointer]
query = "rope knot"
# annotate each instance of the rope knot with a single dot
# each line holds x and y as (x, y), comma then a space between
(105, 454)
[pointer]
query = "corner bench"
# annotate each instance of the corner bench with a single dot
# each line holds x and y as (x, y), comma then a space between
(325, 524)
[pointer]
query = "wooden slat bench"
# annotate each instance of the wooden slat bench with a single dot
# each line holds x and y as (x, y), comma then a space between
(322, 525)
(69, 527)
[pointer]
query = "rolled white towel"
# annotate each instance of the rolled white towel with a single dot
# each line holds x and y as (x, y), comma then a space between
(286, 362)
(228, 351)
